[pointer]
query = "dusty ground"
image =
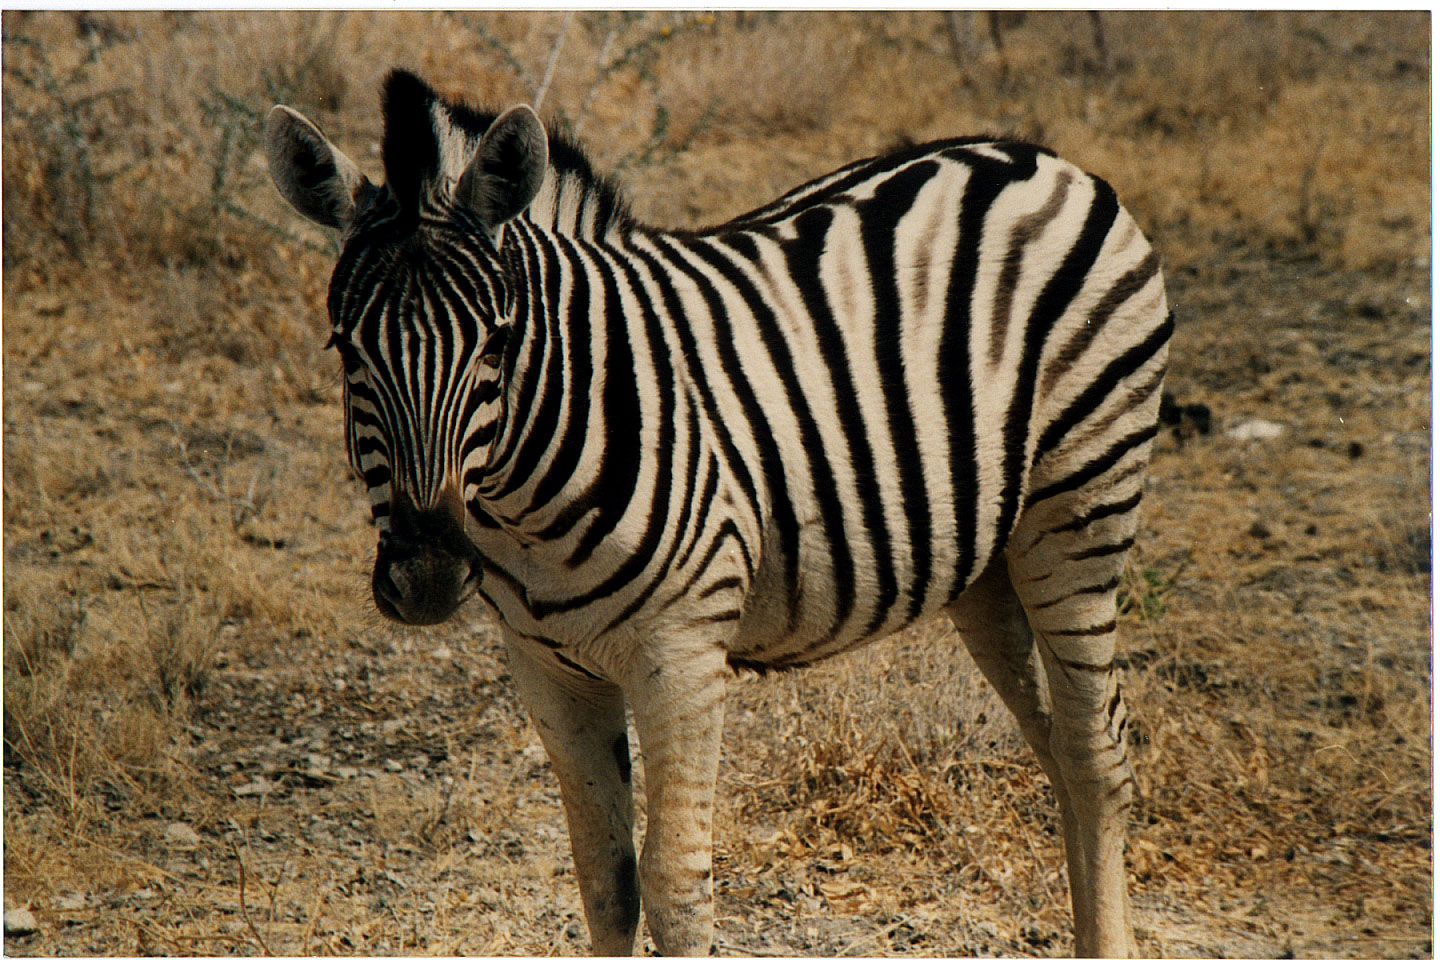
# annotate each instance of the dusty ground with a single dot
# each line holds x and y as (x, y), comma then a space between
(212, 746)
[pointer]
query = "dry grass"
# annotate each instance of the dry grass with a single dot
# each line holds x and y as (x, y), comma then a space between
(187, 635)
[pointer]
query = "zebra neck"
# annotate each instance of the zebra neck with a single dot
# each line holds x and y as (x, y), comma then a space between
(576, 204)
(567, 460)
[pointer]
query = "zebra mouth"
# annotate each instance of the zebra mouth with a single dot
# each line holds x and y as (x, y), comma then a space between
(421, 584)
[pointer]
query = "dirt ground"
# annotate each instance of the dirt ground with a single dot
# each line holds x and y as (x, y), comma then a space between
(213, 745)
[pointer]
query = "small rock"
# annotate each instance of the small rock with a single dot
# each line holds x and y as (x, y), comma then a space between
(69, 901)
(441, 652)
(1257, 430)
(257, 787)
(393, 765)
(182, 835)
(20, 922)
(346, 773)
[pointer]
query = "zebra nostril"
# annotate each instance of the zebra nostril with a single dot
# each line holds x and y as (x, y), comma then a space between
(386, 585)
(389, 598)
(470, 580)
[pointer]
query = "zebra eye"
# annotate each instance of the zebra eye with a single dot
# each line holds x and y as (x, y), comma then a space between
(493, 353)
(349, 359)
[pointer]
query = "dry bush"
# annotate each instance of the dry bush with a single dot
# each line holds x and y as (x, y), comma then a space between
(771, 77)
(874, 749)
(97, 722)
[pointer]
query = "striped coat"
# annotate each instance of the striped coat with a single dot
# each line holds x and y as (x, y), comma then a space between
(925, 382)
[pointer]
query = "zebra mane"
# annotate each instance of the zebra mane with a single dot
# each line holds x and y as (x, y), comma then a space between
(429, 140)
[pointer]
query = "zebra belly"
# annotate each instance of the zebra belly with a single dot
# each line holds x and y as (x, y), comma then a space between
(780, 627)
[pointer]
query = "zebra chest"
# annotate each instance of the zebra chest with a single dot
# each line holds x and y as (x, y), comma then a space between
(691, 584)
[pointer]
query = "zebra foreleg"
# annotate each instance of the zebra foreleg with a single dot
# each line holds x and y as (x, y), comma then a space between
(582, 725)
(678, 702)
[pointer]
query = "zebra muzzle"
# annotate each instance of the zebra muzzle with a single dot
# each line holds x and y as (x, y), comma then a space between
(424, 570)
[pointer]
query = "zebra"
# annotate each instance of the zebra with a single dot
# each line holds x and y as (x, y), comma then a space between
(926, 382)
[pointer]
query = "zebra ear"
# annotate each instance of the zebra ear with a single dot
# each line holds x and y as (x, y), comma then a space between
(309, 171)
(507, 169)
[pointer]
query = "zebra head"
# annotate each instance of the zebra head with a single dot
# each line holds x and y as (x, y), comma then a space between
(421, 304)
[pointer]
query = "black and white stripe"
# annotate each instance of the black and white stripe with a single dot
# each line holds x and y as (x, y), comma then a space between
(776, 438)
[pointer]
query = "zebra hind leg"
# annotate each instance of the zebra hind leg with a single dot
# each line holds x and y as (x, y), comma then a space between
(1065, 573)
(1066, 560)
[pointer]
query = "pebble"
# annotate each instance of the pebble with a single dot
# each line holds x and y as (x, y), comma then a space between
(20, 922)
(181, 835)
(256, 787)
(1257, 430)
(69, 901)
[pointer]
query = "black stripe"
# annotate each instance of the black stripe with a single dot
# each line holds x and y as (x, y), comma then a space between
(728, 529)
(1099, 513)
(1100, 629)
(660, 506)
(1115, 373)
(569, 453)
(879, 217)
(618, 486)
(707, 498)
(988, 177)
(572, 665)
(1022, 235)
(822, 477)
(619, 470)
(711, 553)
(613, 484)
(1104, 550)
(1126, 287)
(725, 616)
(1055, 298)
(696, 375)
(724, 583)
(781, 512)
(1110, 584)
(551, 394)
(802, 257)
(1095, 467)
(534, 332)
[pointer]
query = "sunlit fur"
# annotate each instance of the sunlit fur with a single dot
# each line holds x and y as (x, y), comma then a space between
(926, 382)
